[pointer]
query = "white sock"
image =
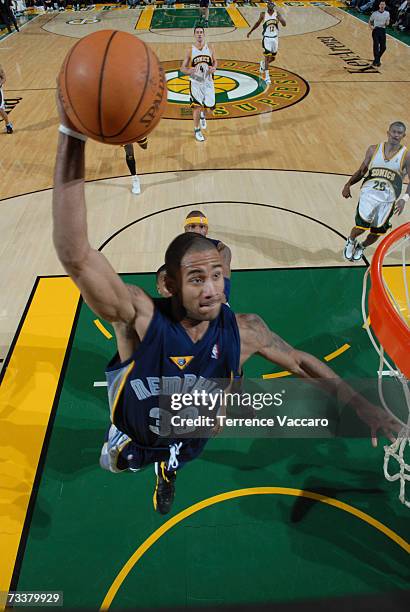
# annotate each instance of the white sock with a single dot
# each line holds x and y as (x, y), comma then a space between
(266, 73)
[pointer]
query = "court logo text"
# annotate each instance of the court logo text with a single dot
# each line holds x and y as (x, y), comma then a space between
(240, 90)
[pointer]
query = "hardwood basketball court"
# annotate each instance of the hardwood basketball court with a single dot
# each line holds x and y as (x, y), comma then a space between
(269, 177)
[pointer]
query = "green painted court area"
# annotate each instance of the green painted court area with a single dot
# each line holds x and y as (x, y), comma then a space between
(87, 523)
(189, 18)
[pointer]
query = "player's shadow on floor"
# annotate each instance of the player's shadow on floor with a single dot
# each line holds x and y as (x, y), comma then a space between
(222, 162)
(38, 127)
(334, 469)
(348, 537)
(74, 450)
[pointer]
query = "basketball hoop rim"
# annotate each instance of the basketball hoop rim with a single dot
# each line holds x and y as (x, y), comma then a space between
(389, 328)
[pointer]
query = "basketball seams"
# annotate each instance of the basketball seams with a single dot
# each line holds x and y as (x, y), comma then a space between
(146, 112)
(100, 84)
(148, 68)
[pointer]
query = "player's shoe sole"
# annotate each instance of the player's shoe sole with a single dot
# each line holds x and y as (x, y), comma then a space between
(164, 492)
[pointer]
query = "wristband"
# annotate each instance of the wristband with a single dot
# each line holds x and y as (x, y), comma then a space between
(405, 197)
(65, 130)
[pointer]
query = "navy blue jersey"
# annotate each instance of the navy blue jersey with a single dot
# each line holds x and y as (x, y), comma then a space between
(168, 361)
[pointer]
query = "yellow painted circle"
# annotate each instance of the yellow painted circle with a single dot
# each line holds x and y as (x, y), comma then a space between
(180, 84)
(224, 83)
(216, 499)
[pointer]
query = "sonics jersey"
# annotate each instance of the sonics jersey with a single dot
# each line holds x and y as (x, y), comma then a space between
(167, 361)
(201, 60)
(383, 182)
(270, 25)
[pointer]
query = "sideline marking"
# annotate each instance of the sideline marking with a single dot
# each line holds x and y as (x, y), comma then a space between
(336, 353)
(27, 395)
(145, 18)
(238, 19)
(102, 329)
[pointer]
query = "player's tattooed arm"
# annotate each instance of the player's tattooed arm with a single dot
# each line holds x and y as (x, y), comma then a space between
(257, 24)
(2, 76)
(256, 337)
(100, 285)
(360, 173)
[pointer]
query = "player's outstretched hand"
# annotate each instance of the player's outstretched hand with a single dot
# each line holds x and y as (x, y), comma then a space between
(399, 207)
(346, 191)
(377, 419)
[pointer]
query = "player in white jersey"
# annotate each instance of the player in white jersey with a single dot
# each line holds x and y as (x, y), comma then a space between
(383, 170)
(270, 20)
(3, 114)
(200, 64)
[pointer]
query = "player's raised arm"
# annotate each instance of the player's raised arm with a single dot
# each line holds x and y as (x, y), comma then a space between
(360, 173)
(281, 18)
(256, 337)
(100, 285)
(257, 24)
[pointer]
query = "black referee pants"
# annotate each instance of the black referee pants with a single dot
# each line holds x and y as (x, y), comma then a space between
(7, 16)
(379, 43)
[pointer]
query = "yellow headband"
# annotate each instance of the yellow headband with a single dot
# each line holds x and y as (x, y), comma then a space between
(196, 221)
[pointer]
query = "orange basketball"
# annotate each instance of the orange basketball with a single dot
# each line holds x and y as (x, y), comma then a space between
(112, 87)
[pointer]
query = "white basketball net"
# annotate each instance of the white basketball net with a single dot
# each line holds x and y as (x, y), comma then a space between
(396, 451)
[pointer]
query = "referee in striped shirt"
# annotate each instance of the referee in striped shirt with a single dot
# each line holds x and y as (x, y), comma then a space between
(378, 22)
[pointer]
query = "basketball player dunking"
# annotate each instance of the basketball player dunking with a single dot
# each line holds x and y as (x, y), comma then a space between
(188, 337)
(270, 36)
(200, 64)
(130, 159)
(383, 169)
(3, 114)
